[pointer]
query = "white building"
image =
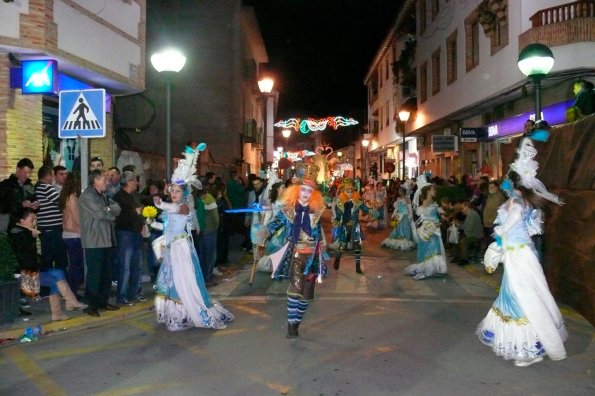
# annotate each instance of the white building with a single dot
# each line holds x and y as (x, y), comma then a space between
(467, 76)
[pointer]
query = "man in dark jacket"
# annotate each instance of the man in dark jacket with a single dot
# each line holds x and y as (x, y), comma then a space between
(18, 191)
(97, 217)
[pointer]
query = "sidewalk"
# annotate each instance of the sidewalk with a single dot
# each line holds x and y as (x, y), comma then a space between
(237, 271)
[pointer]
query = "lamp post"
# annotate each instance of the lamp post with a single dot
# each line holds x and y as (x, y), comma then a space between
(535, 61)
(265, 85)
(168, 62)
(365, 143)
(286, 134)
(404, 117)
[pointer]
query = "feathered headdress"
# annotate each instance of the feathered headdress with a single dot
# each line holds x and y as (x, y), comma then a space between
(421, 183)
(526, 167)
(185, 171)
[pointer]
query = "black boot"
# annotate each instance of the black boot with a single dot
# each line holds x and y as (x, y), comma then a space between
(336, 263)
(292, 330)
(358, 268)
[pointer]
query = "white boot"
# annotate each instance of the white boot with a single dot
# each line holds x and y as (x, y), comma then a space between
(71, 302)
(56, 307)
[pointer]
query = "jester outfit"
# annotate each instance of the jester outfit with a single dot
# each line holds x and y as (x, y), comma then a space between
(401, 237)
(300, 260)
(431, 259)
(182, 300)
(347, 233)
(524, 323)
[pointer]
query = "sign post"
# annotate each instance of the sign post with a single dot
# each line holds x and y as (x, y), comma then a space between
(82, 115)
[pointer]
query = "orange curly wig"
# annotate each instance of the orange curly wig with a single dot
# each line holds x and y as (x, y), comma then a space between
(354, 196)
(292, 194)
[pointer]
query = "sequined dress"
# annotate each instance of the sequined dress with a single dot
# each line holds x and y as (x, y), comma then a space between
(401, 237)
(431, 259)
(182, 300)
(524, 322)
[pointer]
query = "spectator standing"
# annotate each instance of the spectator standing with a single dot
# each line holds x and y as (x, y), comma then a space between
(113, 183)
(472, 234)
(155, 188)
(208, 218)
(71, 230)
(18, 191)
(49, 222)
(97, 215)
(95, 163)
(129, 225)
(494, 200)
(60, 174)
(225, 224)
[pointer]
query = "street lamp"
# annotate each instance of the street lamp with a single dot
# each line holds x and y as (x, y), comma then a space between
(168, 62)
(286, 134)
(365, 143)
(404, 117)
(535, 61)
(265, 85)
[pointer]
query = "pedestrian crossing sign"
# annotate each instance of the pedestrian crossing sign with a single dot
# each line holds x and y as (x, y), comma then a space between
(82, 114)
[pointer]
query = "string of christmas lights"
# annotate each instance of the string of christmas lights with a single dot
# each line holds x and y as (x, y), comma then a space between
(316, 124)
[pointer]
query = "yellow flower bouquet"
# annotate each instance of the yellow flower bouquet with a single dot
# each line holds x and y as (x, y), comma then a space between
(149, 212)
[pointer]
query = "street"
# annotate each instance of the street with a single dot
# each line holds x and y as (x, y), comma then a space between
(377, 334)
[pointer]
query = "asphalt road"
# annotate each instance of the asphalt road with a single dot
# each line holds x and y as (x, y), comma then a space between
(377, 334)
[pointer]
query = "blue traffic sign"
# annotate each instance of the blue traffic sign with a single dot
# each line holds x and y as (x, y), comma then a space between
(82, 114)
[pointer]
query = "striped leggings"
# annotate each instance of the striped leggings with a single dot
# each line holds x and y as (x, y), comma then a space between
(296, 309)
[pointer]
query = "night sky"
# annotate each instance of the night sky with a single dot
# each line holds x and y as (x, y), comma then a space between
(320, 51)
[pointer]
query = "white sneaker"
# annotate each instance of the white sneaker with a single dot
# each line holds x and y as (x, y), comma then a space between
(527, 363)
(217, 272)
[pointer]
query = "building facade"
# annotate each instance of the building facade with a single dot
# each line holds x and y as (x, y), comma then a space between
(465, 61)
(93, 46)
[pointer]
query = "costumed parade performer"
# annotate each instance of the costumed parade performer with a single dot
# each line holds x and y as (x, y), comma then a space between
(182, 300)
(274, 192)
(347, 233)
(524, 323)
(431, 258)
(401, 237)
(305, 246)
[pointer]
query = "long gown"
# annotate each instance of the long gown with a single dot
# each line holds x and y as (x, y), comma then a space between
(182, 300)
(401, 237)
(524, 322)
(431, 259)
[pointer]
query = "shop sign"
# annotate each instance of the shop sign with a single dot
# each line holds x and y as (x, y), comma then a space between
(554, 114)
(39, 76)
(473, 134)
(444, 143)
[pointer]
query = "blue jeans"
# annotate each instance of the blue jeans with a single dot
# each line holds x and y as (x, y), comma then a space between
(76, 263)
(130, 246)
(207, 253)
(50, 278)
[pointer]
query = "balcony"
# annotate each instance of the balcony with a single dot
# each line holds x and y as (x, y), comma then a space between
(252, 133)
(562, 25)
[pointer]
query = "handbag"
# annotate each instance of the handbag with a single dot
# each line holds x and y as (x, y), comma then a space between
(30, 283)
(453, 234)
(158, 246)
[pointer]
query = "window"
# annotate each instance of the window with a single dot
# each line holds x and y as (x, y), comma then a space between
(451, 58)
(423, 82)
(471, 42)
(422, 16)
(436, 72)
(387, 112)
(387, 66)
(435, 8)
(380, 117)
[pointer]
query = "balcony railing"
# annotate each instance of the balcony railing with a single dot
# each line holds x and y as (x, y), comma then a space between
(564, 12)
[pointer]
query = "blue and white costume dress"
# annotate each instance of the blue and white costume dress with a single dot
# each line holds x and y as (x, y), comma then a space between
(182, 300)
(524, 322)
(431, 259)
(275, 243)
(401, 237)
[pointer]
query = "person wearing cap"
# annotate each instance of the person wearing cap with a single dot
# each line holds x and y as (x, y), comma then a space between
(305, 246)
(347, 233)
(95, 163)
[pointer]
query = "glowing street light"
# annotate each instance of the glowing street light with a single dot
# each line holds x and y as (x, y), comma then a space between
(286, 134)
(168, 62)
(265, 85)
(535, 61)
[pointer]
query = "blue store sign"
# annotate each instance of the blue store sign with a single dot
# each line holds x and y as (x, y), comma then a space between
(39, 76)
